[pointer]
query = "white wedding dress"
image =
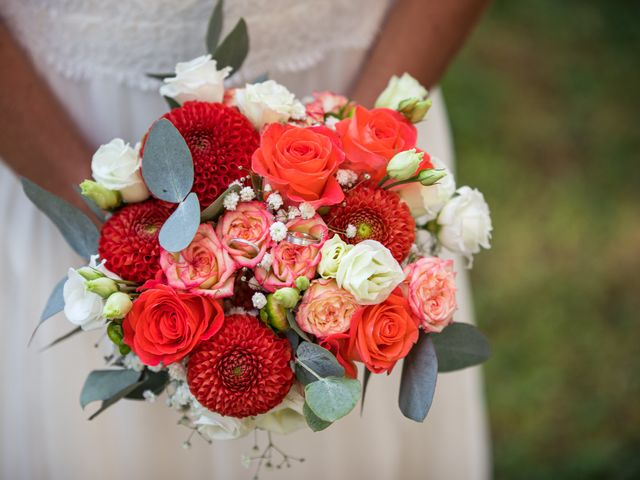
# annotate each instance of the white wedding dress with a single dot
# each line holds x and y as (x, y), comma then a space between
(94, 55)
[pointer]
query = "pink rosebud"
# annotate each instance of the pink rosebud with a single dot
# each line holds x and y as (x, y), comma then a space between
(326, 309)
(323, 103)
(431, 291)
(204, 267)
(244, 233)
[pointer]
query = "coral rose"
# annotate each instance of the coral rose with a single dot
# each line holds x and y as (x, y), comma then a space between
(204, 267)
(370, 138)
(300, 163)
(326, 309)
(430, 289)
(383, 334)
(165, 325)
(244, 228)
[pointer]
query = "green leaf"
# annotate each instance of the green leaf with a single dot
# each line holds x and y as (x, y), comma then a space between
(213, 211)
(76, 228)
(418, 382)
(365, 382)
(171, 103)
(61, 339)
(291, 320)
(180, 228)
(315, 423)
(332, 398)
(161, 76)
(154, 381)
(167, 166)
(460, 345)
(318, 359)
(215, 27)
(55, 304)
(109, 386)
(234, 48)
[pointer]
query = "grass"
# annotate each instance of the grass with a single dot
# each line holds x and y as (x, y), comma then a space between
(543, 106)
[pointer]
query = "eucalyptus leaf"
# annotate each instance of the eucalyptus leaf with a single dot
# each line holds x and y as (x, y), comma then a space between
(418, 382)
(167, 166)
(291, 320)
(180, 228)
(365, 382)
(55, 304)
(76, 228)
(161, 76)
(318, 359)
(213, 211)
(459, 346)
(315, 423)
(234, 48)
(105, 384)
(215, 27)
(95, 209)
(294, 339)
(155, 382)
(171, 103)
(61, 339)
(332, 398)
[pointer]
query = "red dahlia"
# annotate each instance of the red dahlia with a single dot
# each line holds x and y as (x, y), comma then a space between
(241, 371)
(377, 215)
(221, 140)
(129, 239)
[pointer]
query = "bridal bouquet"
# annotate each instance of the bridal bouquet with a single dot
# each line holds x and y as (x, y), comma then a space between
(254, 249)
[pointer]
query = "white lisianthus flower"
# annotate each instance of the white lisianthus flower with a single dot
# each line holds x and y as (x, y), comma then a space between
(268, 102)
(465, 223)
(426, 202)
(82, 307)
(369, 272)
(332, 252)
(398, 89)
(116, 166)
(287, 417)
(214, 426)
(198, 79)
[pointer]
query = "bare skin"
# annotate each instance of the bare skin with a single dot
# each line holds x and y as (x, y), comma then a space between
(39, 141)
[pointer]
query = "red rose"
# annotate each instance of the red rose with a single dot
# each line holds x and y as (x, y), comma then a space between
(370, 138)
(300, 163)
(165, 325)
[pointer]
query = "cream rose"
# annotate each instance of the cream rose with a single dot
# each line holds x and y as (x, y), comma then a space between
(332, 252)
(465, 223)
(268, 102)
(82, 307)
(326, 309)
(287, 417)
(116, 166)
(398, 89)
(214, 426)
(198, 79)
(369, 272)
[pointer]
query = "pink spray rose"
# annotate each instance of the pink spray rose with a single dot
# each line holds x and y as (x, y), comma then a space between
(204, 267)
(244, 233)
(293, 259)
(326, 309)
(431, 291)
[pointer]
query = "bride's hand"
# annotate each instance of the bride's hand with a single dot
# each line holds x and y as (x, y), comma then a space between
(38, 140)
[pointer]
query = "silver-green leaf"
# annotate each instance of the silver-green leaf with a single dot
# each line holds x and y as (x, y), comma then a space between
(55, 304)
(106, 384)
(234, 48)
(180, 228)
(167, 166)
(76, 228)
(318, 359)
(215, 27)
(315, 423)
(459, 346)
(213, 211)
(332, 398)
(418, 382)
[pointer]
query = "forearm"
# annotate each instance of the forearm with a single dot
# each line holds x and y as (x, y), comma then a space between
(420, 37)
(38, 140)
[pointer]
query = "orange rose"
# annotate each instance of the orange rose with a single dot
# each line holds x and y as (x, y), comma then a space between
(300, 163)
(371, 138)
(382, 334)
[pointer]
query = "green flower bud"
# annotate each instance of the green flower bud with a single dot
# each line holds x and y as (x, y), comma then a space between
(117, 306)
(103, 197)
(103, 286)
(124, 349)
(275, 314)
(302, 283)
(414, 108)
(288, 297)
(404, 164)
(115, 333)
(89, 273)
(431, 176)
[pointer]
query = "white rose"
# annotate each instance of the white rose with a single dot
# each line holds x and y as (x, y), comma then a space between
(465, 223)
(198, 79)
(116, 166)
(82, 307)
(369, 272)
(268, 102)
(214, 426)
(332, 253)
(426, 202)
(399, 89)
(286, 417)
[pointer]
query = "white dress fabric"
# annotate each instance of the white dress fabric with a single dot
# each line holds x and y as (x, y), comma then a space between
(94, 55)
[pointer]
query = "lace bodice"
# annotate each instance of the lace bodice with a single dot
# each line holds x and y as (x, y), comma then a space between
(124, 39)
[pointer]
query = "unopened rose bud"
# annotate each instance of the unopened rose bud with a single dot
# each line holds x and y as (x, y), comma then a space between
(414, 109)
(117, 305)
(287, 297)
(302, 283)
(431, 176)
(103, 197)
(89, 273)
(103, 286)
(404, 164)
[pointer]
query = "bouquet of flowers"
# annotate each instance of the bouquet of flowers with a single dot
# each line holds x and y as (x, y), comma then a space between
(253, 249)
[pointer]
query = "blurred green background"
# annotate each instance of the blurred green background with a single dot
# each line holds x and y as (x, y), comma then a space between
(543, 102)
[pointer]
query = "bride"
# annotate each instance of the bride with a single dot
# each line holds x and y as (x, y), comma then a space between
(73, 78)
